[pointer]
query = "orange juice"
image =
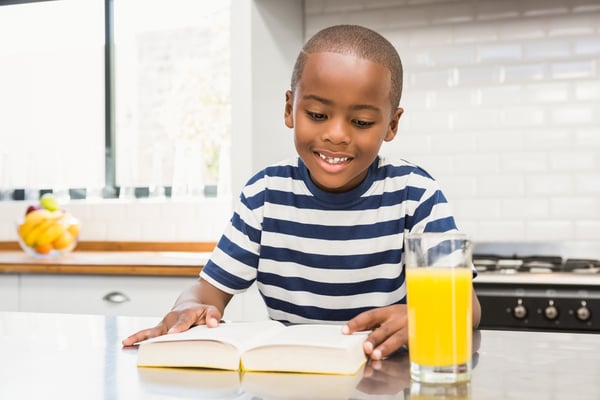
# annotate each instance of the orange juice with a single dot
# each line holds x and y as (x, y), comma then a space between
(439, 315)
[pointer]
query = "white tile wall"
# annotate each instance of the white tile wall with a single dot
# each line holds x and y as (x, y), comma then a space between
(197, 220)
(502, 106)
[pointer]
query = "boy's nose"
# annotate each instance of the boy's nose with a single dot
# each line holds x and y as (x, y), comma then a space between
(337, 132)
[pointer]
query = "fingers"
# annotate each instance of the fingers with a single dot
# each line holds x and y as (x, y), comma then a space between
(178, 321)
(143, 335)
(385, 340)
(388, 326)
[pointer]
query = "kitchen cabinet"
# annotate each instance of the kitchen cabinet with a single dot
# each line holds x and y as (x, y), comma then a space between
(9, 292)
(151, 296)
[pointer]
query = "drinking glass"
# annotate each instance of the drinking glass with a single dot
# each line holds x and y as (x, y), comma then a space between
(439, 303)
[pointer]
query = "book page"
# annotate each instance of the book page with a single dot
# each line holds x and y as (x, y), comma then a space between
(314, 335)
(238, 334)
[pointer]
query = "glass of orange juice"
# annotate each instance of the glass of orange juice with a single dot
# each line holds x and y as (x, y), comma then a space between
(439, 302)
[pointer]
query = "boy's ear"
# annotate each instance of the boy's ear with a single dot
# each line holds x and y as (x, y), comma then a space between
(393, 126)
(288, 114)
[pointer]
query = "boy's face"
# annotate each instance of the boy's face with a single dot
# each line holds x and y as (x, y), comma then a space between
(341, 114)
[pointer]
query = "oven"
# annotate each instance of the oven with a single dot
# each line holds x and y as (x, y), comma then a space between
(538, 286)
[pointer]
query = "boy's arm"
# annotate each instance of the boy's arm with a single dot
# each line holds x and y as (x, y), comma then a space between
(201, 303)
(476, 310)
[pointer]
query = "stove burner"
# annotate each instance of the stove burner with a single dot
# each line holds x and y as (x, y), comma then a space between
(533, 264)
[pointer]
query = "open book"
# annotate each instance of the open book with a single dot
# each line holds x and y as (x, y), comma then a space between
(258, 346)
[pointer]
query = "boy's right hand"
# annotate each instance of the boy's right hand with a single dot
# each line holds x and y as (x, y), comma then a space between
(181, 318)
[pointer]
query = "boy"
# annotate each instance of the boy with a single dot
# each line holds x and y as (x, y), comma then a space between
(323, 234)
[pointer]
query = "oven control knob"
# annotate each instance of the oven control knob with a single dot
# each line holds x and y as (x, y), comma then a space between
(583, 313)
(519, 311)
(551, 312)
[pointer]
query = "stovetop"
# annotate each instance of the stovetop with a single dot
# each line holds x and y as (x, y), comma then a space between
(522, 262)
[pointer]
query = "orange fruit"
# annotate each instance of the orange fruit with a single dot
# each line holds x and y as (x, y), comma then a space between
(73, 229)
(63, 241)
(44, 248)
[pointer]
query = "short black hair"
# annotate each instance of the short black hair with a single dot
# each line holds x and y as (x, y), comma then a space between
(359, 41)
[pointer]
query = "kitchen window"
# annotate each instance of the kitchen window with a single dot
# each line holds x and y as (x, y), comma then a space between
(165, 128)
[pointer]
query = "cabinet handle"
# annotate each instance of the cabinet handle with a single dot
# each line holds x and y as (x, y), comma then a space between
(116, 298)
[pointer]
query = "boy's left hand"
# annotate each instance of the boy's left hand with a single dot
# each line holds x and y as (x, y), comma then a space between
(389, 327)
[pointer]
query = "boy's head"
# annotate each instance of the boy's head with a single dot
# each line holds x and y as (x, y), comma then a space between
(359, 41)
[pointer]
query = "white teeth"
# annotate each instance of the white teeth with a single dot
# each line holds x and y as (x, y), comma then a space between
(333, 160)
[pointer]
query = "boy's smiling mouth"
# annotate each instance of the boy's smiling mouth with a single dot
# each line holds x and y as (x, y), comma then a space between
(333, 160)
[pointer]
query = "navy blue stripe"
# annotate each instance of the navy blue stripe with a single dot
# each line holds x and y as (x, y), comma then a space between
(424, 209)
(236, 252)
(295, 284)
(318, 313)
(238, 223)
(349, 262)
(220, 275)
(325, 232)
(364, 203)
(441, 225)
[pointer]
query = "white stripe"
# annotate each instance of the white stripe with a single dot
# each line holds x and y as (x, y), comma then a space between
(332, 247)
(302, 298)
(233, 266)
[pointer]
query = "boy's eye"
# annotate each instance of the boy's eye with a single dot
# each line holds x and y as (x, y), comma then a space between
(317, 116)
(362, 124)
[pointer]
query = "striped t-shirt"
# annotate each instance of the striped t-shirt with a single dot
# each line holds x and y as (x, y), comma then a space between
(325, 257)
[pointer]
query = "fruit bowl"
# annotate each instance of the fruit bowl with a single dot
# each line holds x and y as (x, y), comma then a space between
(47, 231)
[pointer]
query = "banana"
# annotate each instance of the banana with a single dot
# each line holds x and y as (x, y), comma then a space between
(32, 220)
(31, 234)
(50, 234)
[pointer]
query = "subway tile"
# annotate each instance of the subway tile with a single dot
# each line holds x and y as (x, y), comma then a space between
(522, 73)
(572, 114)
(500, 95)
(431, 79)
(524, 162)
(505, 230)
(456, 12)
(587, 137)
(428, 120)
(479, 164)
(552, 184)
(341, 6)
(454, 55)
(460, 186)
(453, 97)
(506, 185)
(573, 69)
(547, 50)
(405, 17)
(525, 208)
(572, 208)
(536, 8)
(574, 161)
(549, 230)
(478, 75)
(500, 141)
(587, 230)
(522, 29)
(550, 92)
(588, 183)
(476, 119)
(455, 143)
(584, 6)
(567, 25)
(474, 33)
(430, 36)
(493, 9)
(587, 90)
(488, 208)
(525, 116)
(495, 52)
(547, 138)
